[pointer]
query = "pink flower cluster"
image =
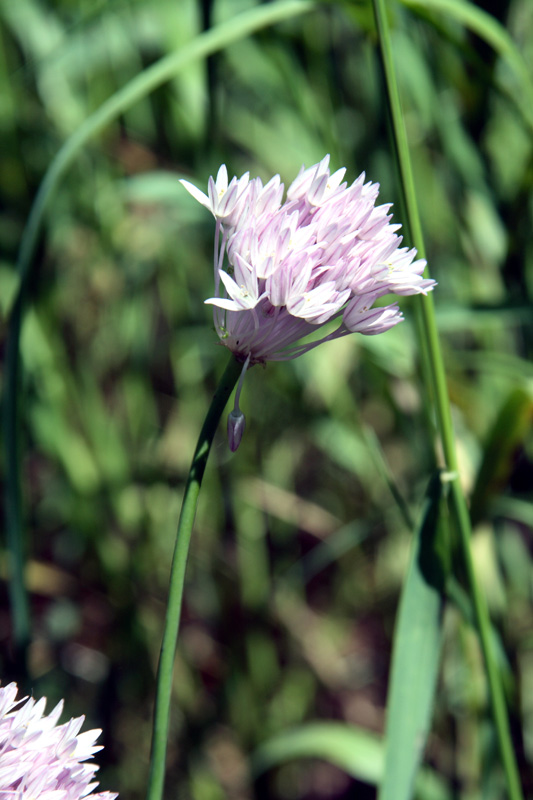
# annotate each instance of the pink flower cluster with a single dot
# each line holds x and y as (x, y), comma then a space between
(41, 760)
(326, 253)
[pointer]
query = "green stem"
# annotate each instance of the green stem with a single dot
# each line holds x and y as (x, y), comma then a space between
(140, 86)
(177, 579)
(18, 597)
(444, 418)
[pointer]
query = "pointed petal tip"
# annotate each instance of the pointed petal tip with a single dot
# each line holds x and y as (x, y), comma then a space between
(222, 177)
(196, 193)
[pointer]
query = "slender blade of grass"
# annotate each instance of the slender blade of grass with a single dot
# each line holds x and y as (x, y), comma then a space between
(360, 753)
(416, 653)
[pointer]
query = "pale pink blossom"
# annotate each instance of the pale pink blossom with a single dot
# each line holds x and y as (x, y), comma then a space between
(284, 269)
(41, 760)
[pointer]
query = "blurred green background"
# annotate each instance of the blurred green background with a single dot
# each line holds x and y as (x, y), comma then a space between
(300, 548)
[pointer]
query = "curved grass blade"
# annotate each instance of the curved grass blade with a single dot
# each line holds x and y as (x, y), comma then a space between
(358, 752)
(416, 651)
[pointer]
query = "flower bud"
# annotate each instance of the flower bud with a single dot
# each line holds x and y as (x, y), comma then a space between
(236, 426)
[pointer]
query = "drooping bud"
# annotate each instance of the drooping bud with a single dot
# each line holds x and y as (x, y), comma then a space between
(236, 426)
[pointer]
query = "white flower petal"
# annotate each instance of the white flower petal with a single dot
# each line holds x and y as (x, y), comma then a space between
(40, 759)
(196, 193)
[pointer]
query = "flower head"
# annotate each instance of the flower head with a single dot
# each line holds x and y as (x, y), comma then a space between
(285, 269)
(41, 760)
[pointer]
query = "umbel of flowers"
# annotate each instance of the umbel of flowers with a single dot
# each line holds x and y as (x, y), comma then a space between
(284, 269)
(41, 760)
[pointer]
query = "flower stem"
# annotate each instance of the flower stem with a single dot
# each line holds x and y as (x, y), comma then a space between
(18, 596)
(177, 579)
(444, 419)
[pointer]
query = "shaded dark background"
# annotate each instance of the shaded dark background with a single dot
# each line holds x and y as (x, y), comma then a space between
(299, 550)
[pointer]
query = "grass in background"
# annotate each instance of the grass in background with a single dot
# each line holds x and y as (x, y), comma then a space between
(300, 548)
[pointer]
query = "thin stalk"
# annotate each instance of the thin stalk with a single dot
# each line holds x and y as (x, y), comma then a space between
(444, 418)
(207, 43)
(177, 579)
(18, 597)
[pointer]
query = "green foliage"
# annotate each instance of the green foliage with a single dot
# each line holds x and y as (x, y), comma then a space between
(354, 750)
(416, 653)
(302, 538)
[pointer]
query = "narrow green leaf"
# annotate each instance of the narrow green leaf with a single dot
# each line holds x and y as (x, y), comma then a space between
(416, 652)
(358, 752)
